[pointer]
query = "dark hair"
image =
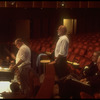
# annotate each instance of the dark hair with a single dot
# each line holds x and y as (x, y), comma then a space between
(15, 87)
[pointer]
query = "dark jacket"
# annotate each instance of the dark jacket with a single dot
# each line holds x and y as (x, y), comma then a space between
(94, 81)
(91, 70)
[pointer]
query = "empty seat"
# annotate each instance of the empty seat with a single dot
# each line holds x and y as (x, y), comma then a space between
(89, 54)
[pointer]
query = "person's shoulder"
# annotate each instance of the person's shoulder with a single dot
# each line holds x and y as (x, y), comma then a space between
(65, 38)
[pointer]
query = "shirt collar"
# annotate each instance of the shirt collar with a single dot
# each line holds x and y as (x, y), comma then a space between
(61, 36)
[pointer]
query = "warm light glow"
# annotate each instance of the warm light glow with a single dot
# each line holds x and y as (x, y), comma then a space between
(86, 67)
(5, 86)
(44, 61)
(69, 62)
(71, 25)
(74, 63)
(6, 68)
(62, 4)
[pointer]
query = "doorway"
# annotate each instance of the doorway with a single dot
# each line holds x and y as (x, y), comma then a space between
(71, 25)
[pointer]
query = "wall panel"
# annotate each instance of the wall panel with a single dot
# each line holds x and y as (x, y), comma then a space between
(22, 4)
(37, 4)
(90, 4)
(83, 4)
(10, 4)
(97, 4)
(72, 4)
(2, 3)
(49, 4)
(44, 26)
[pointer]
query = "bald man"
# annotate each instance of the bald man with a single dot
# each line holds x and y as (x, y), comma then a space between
(61, 51)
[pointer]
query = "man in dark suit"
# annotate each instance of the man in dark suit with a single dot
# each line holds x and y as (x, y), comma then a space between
(92, 68)
(72, 87)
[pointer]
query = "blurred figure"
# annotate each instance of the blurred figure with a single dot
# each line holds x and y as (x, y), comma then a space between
(15, 92)
(6, 62)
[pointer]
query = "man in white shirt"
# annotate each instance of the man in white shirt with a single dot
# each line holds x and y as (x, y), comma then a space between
(61, 51)
(23, 65)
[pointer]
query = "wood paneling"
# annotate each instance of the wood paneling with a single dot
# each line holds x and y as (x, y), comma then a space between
(37, 4)
(90, 4)
(83, 4)
(44, 27)
(22, 4)
(49, 4)
(72, 4)
(36, 27)
(10, 4)
(97, 4)
(23, 29)
(68, 4)
(58, 4)
(2, 3)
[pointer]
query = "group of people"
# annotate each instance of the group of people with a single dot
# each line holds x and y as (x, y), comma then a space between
(22, 68)
(69, 86)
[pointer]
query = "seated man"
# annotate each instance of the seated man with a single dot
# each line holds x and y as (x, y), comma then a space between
(72, 87)
(91, 69)
(15, 92)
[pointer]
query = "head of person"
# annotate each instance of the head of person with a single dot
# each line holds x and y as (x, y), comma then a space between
(15, 87)
(62, 30)
(18, 42)
(7, 58)
(98, 62)
(95, 56)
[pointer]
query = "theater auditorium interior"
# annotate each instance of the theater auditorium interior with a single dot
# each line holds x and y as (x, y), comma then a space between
(37, 22)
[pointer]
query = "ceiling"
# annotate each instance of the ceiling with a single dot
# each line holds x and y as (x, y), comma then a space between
(50, 4)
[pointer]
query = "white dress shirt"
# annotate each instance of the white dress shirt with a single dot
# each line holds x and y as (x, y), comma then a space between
(62, 46)
(24, 53)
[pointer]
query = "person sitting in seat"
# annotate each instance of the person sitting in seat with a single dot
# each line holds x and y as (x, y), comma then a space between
(92, 68)
(71, 87)
(15, 92)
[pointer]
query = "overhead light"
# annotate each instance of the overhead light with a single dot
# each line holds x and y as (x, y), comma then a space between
(62, 4)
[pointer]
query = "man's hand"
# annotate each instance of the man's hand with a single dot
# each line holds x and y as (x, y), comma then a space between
(53, 62)
(13, 68)
(13, 56)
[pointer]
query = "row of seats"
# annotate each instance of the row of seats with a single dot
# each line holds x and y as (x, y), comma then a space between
(80, 50)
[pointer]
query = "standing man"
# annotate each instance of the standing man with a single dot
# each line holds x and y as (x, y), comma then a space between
(61, 51)
(23, 65)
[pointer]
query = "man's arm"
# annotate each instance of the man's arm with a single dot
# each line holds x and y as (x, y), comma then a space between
(16, 65)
